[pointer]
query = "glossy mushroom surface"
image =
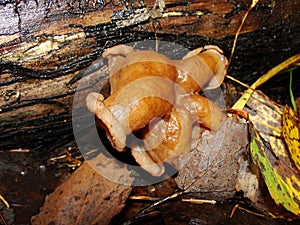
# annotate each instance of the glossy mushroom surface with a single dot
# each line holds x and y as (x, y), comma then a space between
(158, 98)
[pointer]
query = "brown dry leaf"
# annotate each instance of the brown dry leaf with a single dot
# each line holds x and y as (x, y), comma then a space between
(212, 167)
(248, 181)
(86, 197)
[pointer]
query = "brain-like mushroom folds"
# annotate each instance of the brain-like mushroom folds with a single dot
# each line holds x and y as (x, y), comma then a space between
(158, 98)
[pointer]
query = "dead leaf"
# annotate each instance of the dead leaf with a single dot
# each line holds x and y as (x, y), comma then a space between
(282, 181)
(290, 132)
(86, 197)
(212, 167)
(270, 153)
(248, 182)
(265, 114)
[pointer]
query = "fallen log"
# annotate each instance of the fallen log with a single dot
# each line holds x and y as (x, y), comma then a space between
(47, 43)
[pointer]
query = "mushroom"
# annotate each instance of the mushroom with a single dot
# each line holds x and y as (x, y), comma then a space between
(157, 98)
(164, 141)
(142, 88)
(167, 139)
(202, 68)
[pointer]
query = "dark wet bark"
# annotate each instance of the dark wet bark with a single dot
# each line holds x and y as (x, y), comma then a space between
(46, 43)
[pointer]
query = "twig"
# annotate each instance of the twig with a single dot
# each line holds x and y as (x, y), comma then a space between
(233, 210)
(199, 201)
(237, 81)
(190, 200)
(237, 206)
(250, 212)
(153, 206)
(2, 219)
(4, 201)
(16, 150)
(254, 2)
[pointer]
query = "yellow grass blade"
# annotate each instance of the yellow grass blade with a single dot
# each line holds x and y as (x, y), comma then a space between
(271, 73)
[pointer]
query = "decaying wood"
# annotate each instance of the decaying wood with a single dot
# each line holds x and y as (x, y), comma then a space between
(86, 197)
(43, 44)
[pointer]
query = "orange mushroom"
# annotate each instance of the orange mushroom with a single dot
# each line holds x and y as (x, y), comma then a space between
(202, 68)
(142, 88)
(157, 97)
(166, 140)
